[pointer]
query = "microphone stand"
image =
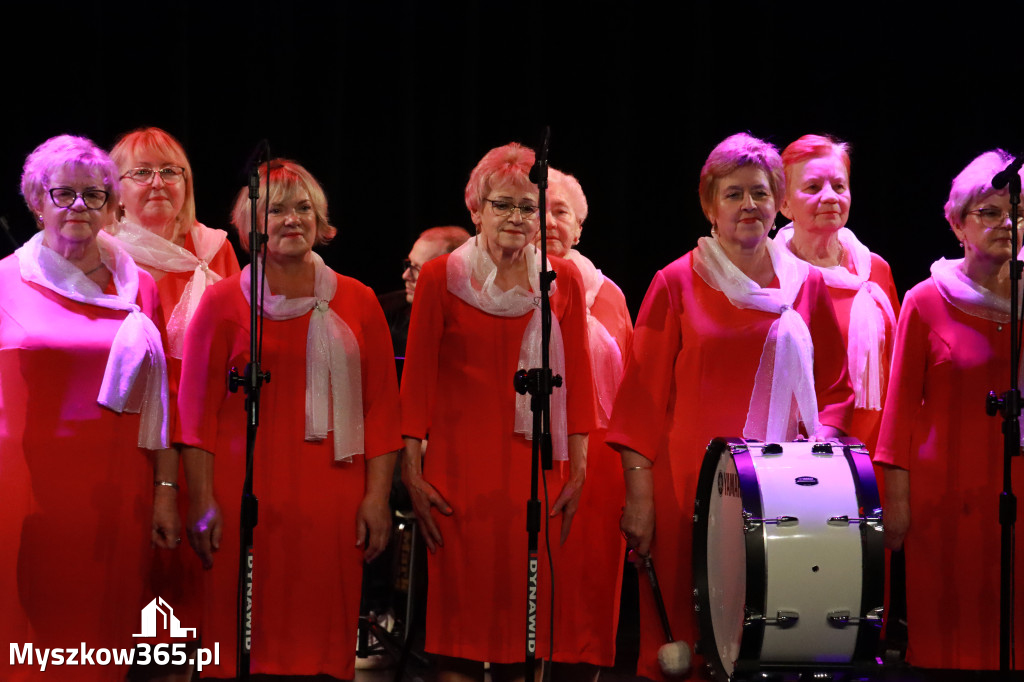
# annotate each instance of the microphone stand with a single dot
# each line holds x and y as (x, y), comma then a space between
(251, 381)
(1009, 406)
(539, 383)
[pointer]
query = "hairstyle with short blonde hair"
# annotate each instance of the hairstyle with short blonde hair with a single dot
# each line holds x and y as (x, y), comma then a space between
(448, 237)
(163, 145)
(509, 163)
(813, 147)
(573, 192)
(973, 183)
(65, 152)
(286, 177)
(736, 151)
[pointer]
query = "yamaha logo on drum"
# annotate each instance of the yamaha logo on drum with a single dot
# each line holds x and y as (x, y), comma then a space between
(728, 484)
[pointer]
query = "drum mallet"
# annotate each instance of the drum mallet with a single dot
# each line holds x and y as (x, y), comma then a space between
(673, 657)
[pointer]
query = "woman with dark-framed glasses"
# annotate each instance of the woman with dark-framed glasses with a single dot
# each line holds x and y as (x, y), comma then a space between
(85, 477)
(952, 348)
(475, 322)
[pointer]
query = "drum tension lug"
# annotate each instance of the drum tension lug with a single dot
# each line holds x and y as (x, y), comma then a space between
(845, 520)
(824, 449)
(783, 619)
(750, 523)
(840, 619)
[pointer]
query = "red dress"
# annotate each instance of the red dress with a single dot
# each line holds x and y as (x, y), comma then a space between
(864, 423)
(587, 603)
(934, 425)
(457, 387)
(76, 491)
(688, 379)
(177, 575)
(308, 571)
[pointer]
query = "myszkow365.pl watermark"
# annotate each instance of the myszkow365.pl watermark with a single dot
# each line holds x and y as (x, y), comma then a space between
(157, 616)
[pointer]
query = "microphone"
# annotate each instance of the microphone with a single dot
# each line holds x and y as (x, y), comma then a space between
(539, 171)
(1003, 177)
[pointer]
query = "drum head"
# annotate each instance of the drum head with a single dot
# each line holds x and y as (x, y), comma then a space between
(720, 566)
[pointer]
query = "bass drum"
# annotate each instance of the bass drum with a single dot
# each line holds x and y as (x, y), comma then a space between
(788, 557)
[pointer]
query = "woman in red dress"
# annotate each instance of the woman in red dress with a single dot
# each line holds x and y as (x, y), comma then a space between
(83, 422)
(695, 370)
(859, 282)
(326, 444)
(475, 321)
(952, 348)
(587, 608)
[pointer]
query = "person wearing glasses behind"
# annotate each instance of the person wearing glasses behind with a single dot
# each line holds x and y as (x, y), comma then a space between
(326, 448)
(711, 324)
(475, 322)
(83, 420)
(159, 229)
(587, 610)
(941, 453)
(397, 305)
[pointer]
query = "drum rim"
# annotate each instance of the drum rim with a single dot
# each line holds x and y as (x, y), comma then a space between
(752, 636)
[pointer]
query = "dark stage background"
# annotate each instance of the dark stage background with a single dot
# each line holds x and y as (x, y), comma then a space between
(390, 104)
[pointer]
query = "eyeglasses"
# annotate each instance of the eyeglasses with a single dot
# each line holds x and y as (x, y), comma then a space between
(64, 197)
(170, 175)
(992, 217)
(503, 208)
(413, 269)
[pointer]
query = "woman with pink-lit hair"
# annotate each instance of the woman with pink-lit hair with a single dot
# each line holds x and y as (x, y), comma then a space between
(87, 481)
(942, 454)
(859, 282)
(587, 604)
(326, 445)
(475, 321)
(695, 371)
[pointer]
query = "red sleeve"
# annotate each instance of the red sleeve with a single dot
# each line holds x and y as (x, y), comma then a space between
(203, 387)
(579, 380)
(422, 351)
(906, 386)
(640, 417)
(831, 375)
(381, 422)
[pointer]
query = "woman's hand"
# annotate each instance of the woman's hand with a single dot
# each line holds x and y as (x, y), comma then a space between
(166, 532)
(373, 526)
(423, 495)
(637, 522)
(827, 433)
(569, 499)
(204, 528)
(897, 506)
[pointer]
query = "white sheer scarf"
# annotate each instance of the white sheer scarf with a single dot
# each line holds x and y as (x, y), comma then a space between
(135, 378)
(605, 354)
(785, 374)
(471, 263)
(969, 297)
(153, 251)
(869, 313)
(333, 367)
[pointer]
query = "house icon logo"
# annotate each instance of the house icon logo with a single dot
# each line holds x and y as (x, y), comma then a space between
(159, 612)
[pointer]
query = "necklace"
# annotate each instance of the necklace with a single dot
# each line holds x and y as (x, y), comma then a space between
(95, 269)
